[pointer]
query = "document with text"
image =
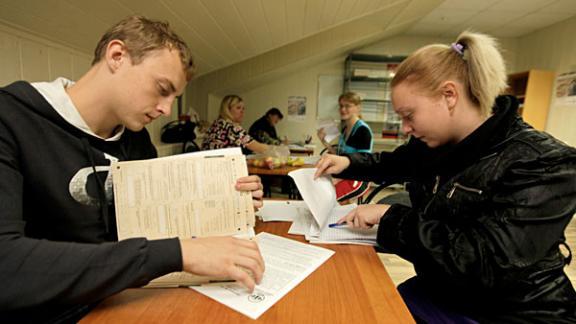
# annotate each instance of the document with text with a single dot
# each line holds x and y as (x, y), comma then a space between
(186, 195)
(320, 198)
(288, 263)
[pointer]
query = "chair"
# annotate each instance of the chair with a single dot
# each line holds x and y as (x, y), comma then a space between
(402, 198)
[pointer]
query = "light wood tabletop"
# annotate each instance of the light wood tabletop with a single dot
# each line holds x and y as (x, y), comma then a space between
(351, 287)
(281, 171)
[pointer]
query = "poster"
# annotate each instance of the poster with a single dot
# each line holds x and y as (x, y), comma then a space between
(566, 89)
(296, 108)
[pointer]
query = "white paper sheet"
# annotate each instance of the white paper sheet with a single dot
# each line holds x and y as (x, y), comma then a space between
(319, 194)
(346, 234)
(182, 196)
(280, 210)
(288, 262)
(320, 197)
(330, 128)
(301, 225)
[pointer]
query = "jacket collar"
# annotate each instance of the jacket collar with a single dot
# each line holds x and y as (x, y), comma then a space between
(451, 159)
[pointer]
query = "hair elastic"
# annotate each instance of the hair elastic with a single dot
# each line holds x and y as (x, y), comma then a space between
(459, 48)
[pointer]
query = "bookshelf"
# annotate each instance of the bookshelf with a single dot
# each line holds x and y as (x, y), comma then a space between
(534, 91)
(369, 76)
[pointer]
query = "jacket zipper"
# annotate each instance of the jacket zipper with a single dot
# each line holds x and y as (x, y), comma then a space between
(457, 185)
(435, 189)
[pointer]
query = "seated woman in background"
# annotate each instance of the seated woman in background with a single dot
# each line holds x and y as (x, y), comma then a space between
(264, 130)
(356, 137)
(226, 130)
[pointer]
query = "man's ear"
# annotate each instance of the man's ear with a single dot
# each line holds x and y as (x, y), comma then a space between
(450, 94)
(116, 55)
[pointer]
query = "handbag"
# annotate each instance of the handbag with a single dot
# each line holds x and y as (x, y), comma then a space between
(178, 131)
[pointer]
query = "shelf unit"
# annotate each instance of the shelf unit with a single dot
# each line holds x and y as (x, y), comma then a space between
(369, 76)
(534, 91)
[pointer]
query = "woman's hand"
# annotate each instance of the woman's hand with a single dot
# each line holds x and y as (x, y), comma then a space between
(364, 216)
(321, 134)
(252, 183)
(331, 164)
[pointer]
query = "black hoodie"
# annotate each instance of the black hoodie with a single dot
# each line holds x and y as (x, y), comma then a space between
(58, 249)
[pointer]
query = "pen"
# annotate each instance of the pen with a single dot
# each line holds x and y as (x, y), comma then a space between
(336, 225)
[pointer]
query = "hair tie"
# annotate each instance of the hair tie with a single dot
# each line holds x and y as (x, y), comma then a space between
(459, 48)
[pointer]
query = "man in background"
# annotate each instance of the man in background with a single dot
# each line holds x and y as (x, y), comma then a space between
(264, 129)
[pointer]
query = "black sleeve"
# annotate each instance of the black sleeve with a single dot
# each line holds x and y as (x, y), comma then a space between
(360, 139)
(390, 167)
(38, 272)
(498, 238)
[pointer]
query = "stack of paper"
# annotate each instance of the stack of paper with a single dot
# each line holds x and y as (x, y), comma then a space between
(320, 197)
(187, 195)
(288, 262)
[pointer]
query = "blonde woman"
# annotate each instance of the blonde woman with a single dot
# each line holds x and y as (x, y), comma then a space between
(491, 196)
(356, 135)
(226, 130)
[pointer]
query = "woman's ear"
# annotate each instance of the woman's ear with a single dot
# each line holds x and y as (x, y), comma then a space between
(449, 92)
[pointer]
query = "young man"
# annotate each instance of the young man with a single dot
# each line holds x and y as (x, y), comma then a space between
(264, 129)
(58, 246)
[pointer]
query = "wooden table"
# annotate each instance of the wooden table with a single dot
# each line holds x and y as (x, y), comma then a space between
(282, 171)
(351, 287)
(302, 151)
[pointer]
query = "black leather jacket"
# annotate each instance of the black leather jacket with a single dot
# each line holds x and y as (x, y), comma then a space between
(488, 218)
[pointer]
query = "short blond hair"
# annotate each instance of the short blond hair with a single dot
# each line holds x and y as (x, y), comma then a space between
(474, 60)
(141, 36)
(227, 102)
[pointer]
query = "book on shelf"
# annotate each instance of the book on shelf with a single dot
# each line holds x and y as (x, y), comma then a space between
(186, 195)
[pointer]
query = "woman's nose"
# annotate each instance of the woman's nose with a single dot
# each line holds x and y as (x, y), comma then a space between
(406, 128)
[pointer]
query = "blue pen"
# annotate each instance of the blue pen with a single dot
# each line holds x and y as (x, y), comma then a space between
(336, 225)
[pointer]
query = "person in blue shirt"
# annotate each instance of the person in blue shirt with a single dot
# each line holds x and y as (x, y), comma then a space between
(356, 136)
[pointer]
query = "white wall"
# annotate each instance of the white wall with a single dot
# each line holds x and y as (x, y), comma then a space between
(553, 48)
(276, 93)
(305, 83)
(24, 56)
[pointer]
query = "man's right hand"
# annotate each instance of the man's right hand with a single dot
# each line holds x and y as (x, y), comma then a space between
(331, 164)
(223, 257)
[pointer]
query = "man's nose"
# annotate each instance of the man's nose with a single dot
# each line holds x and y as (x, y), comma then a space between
(165, 106)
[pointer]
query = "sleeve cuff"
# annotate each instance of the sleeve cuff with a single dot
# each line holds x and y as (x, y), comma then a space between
(164, 256)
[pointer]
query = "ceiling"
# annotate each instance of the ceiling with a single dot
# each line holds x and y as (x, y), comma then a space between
(501, 18)
(224, 32)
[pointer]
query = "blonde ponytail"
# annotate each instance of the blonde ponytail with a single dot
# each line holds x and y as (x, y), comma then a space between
(474, 60)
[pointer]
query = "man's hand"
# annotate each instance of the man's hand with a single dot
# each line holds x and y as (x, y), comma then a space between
(252, 183)
(223, 257)
(331, 164)
(364, 216)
